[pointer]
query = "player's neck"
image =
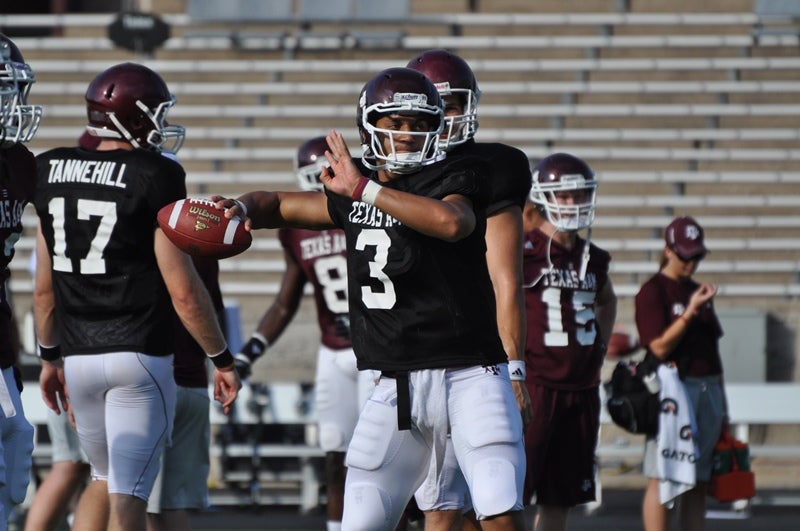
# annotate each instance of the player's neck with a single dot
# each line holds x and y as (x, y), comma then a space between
(109, 144)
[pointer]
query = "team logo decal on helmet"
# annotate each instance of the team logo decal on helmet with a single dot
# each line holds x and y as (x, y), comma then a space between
(18, 120)
(129, 101)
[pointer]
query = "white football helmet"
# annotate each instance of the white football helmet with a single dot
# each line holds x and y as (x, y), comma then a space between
(18, 120)
(309, 162)
(568, 178)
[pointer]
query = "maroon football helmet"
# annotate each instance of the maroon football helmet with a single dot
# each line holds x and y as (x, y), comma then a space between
(399, 91)
(309, 163)
(452, 76)
(18, 120)
(131, 102)
(560, 175)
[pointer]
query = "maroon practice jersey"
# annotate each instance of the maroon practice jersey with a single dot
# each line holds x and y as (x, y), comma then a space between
(660, 301)
(17, 186)
(563, 348)
(322, 257)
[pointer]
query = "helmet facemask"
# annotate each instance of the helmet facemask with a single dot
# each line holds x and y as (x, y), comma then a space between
(459, 128)
(308, 176)
(18, 121)
(566, 217)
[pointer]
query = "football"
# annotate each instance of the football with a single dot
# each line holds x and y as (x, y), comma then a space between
(622, 344)
(199, 228)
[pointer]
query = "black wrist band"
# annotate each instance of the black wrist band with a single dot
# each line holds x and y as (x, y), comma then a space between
(50, 353)
(223, 360)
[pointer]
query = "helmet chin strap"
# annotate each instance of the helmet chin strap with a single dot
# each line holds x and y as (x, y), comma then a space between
(123, 132)
(584, 257)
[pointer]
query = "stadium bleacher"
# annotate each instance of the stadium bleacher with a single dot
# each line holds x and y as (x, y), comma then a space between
(681, 107)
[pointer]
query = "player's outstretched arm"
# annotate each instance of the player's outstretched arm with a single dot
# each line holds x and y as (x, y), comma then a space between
(265, 210)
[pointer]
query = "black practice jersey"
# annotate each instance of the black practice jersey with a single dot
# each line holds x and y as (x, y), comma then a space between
(98, 215)
(418, 302)
(508, 181)
(17, 184)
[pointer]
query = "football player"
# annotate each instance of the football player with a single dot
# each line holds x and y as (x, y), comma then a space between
(507, 185)
(421, 307)
(571, 308)
(319, 258)
(107, 280)
(18, 123)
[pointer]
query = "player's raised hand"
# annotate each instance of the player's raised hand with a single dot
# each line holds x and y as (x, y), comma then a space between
(343, 177)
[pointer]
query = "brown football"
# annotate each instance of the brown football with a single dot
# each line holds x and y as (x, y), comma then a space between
(622, 344)
(199, 228)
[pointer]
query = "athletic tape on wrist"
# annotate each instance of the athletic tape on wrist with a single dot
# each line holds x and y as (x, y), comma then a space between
(241, 205)
(516, 370)
(370, 193)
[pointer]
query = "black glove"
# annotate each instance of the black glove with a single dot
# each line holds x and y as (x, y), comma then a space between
(341, 324)
(242, 364)
(250, 351)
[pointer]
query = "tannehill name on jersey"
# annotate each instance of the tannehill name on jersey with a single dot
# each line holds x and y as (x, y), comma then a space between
(11, 213)
(364, 214)
(325, 244)
(568, 278)
(86, 171)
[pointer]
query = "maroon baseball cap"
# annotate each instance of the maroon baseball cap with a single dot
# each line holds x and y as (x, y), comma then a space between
(685, 237)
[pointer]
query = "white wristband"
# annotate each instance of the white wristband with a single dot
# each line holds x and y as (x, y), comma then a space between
(241, 205)
(516, 370)
(370, 192)
(261, 338)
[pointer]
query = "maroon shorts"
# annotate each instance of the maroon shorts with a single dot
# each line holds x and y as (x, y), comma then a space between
(560, 446)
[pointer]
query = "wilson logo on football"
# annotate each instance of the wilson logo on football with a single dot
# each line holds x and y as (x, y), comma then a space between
(204, 213)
